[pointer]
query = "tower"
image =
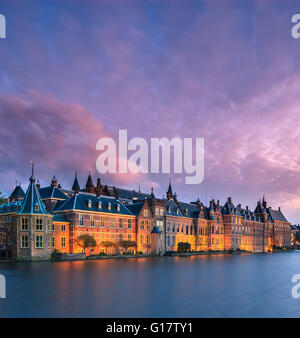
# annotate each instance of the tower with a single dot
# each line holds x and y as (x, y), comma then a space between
(33, 233)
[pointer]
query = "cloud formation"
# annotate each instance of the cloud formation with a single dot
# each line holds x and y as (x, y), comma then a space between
(226, 71)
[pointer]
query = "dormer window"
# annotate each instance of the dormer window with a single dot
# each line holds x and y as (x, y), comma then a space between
(177, 211)
(186, 211)
(109, 206)
(89, 204)
(118, 207)
(36, 207)
(99, 205)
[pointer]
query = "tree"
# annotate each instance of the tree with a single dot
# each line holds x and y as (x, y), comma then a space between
(147, 247)
(107, 244)
(2, 198)
(86, 241)
(184, 246)
(127, 244)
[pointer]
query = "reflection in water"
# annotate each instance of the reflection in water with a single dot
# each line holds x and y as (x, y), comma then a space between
(197, 286)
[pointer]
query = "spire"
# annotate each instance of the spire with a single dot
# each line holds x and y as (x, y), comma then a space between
(89, 184)
(76, 186)
(18, 193)
(169, 192)
(99, 189)
(32, 203)
(264, 202)
(32, 170)
(53, 181)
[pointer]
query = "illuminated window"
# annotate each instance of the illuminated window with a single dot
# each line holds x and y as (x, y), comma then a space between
(109, 206)
(112, 222)
(89, 204)
(145, 212)
(24, 241)
(38, 242)
(24, 225)
(39, 224)
(63, 227)
(81, 220)
(102, 221)
(36, 207)
(92, 221)
(63, 242)
(118, 207)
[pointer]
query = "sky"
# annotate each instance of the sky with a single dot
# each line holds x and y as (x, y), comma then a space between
(72, 72)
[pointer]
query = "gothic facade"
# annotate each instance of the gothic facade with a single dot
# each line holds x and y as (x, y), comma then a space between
(44, 219)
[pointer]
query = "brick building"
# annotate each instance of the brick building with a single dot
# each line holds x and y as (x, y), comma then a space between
(35, 223)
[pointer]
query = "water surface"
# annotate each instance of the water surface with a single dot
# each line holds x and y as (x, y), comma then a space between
(256, 285)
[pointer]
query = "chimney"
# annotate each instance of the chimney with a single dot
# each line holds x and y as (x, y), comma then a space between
(229, 200)
(279, 209)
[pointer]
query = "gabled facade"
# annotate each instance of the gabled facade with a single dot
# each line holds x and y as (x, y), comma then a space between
(34, 224)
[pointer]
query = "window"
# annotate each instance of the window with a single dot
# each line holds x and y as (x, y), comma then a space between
(145, 212)
(38, 242)
(53, 242)
(102, 221)
(118, 207)
(142, 225)
(92, 221)
(63, 241)
(148, 225)
(24, 241)
(36, 207)
(63, 227)
(157, 211)
(49, 242)
(81, 220)
(129, 237)
(129, 224)
(39, 224)
(24, 225)
(120, 222)
(112, 222)
(142, 239)
(109, 206)
(53, 227)
(89, 204)
(162, 212)
(99, 205)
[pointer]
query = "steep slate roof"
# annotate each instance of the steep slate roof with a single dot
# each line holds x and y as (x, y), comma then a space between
(230, 209)
(32, 198)
(276, 215)
(135, 208)
(18, 192)
(59, 218)
(52, 192)
(80, 202)
(128, 194)
(75, 185)
(172, 208)
(192, 209)
(155, 230)
(10, 207)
